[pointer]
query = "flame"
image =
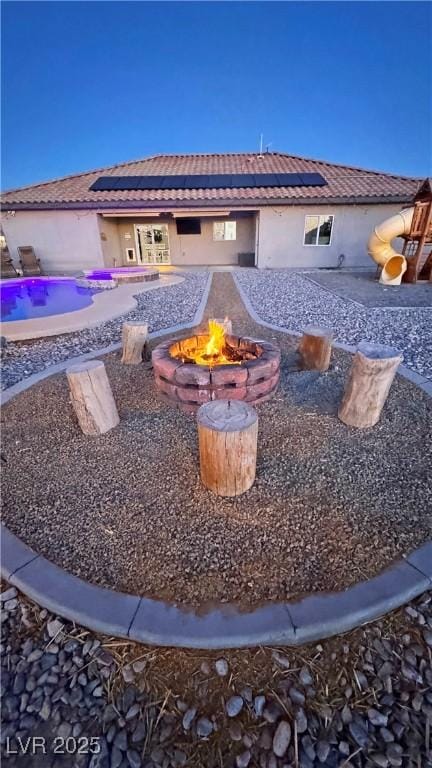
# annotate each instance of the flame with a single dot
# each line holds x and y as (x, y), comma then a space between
(216, 341)
(210, 350)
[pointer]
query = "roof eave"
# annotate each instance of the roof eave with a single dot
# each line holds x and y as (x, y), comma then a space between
(252, 202)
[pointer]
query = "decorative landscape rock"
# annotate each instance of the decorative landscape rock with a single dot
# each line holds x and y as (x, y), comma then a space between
(100, 285)
(282, 738)
(234, 706)
(222, 668)
(403, 327)
(204, 727)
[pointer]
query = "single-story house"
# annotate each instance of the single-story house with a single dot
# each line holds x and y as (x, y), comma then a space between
(280, 210)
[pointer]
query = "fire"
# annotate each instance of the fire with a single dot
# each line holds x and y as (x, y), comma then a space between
(216, 341)
(208, 349)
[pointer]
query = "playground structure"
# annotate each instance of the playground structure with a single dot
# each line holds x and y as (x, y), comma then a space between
(414, 226)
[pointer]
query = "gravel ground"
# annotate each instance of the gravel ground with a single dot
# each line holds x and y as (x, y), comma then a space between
(363, 288)
(363, 700)
(331, 505)
(161, 308)
(290, 300)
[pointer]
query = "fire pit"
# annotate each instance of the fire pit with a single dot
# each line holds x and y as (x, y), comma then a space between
(215, 366)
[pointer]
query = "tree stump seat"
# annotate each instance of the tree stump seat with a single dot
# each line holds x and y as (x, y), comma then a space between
(228, 435)
(134, 338)
(373, 370)
(92, 398)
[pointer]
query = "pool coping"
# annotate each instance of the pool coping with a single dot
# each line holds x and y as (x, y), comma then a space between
(156, 622)
(106, 305)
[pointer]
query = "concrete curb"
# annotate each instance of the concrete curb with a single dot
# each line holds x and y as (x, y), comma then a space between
(412, 376)
(156, 622)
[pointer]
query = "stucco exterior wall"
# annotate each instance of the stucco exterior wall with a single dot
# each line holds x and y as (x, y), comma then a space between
(195, 249)
(69, 241)
(281, 232)
(64, 241)
(110, 242)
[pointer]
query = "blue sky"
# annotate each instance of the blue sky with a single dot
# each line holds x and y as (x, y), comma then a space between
(90, 84)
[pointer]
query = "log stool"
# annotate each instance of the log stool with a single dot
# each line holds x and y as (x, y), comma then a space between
(227, 434)
(92, 398)
(134, 337)
(315, 348)
(373, 370)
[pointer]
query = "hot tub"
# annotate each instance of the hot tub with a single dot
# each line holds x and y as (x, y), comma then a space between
(123, 274)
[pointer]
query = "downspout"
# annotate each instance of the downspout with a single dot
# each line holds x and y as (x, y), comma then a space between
(257, 239)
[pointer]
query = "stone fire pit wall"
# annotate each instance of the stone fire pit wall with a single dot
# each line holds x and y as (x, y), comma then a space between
(188, 385)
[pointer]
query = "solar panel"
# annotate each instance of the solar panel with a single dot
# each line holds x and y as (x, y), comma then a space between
(221, 181)
(207, 181)
(198, 181)
(99, 185)
(266, 180)
(243, 180)
(171, 182)
(312, 180)
(149, 182)
(126, 182)
(289, 179)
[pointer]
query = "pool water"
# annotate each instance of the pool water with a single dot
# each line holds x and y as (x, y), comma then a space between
(31, 298)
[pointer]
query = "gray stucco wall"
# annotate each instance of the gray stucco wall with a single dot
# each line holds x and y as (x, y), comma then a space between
(64, 241)
(281, 231)
(110, 242)
(69, 241)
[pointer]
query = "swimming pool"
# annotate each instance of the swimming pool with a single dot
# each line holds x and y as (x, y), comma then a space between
(33, 297)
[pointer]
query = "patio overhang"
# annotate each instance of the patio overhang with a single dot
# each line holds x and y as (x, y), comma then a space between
(156, 212)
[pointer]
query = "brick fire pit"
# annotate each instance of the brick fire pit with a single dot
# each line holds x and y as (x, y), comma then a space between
(254, 379)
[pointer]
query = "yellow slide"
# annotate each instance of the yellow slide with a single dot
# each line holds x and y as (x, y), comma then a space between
(379, 246)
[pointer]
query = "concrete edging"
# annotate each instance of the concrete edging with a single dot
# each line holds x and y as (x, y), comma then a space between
(156, 622)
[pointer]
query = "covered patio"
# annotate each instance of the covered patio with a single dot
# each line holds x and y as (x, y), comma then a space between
(181, 237)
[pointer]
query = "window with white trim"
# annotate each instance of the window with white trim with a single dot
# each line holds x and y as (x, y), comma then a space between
(318, 230)
(224, 230)
(130, 254)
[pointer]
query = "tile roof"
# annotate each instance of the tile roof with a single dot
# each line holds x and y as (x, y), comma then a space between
(344, 184)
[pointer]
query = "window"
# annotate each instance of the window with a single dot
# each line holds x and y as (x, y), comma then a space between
(188, 226)
(130, 254)
(224, 230)
(318, 230)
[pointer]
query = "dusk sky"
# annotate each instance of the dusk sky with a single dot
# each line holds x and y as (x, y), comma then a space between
(90, 84)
